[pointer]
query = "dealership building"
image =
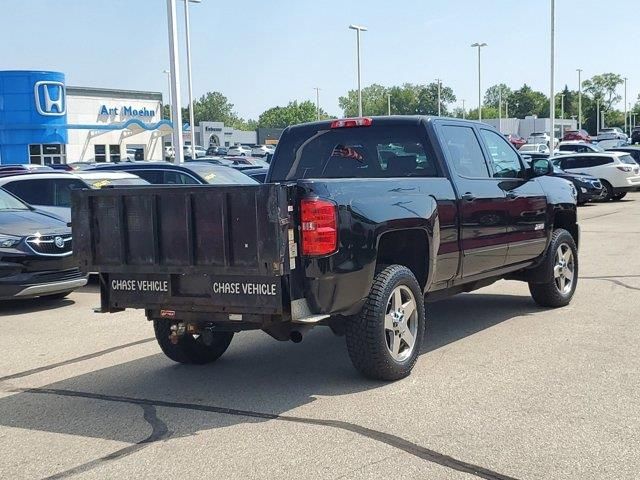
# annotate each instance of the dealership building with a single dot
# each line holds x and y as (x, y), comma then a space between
(43, 121)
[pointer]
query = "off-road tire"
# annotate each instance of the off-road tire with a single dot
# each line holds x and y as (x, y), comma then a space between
(547, 294)
(365, 333)
(189, 349)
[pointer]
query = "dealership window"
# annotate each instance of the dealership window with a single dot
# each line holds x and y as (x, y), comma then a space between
(114, 153)
(100, 153)
(47, 154)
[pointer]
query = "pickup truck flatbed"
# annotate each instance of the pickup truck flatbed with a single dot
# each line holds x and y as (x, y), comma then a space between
(360, 222)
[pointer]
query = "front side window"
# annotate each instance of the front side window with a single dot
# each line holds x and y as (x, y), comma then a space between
(178, 178)
(505, 161)
(46, 192)
(464, 151)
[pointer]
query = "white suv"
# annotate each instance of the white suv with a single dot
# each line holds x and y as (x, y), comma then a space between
(611, 134)
(262, 150)
(239, 151)
(618, 171)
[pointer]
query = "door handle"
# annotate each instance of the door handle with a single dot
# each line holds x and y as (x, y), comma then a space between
(469, 197)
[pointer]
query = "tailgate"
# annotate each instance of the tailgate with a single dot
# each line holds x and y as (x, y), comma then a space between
(197, 246)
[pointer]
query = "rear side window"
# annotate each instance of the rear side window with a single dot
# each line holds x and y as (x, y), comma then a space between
(628, 159)
(363, 152)
(154, 177)
(464, 152)
(597, 161)
(46, 192)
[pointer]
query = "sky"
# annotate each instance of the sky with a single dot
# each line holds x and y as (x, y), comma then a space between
(263, 53)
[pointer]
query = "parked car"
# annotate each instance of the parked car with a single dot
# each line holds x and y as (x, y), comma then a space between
(339, 238)
(534, 148)
(516, 140)
(581, 135)
(611, 144)
(631, 150)
(574, 146)
(635, 135)
(227, 162)
(110, 179)
(195, 152)
(239, 151)
(190, 173)
(539, 137)
(612, 133)
(587, 187)
(618, 172)
(169, 153)
(259, 174)
(22, 168)
(50, 192)
(262, 150)
(215, 150)
(35, 248)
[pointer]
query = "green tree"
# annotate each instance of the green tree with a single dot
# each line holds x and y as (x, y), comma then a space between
(292, 114)
(407, 99)
(493, 94)
(526, 101)
(605, 87)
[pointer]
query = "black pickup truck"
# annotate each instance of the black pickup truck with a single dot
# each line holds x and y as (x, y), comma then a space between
(359, 222)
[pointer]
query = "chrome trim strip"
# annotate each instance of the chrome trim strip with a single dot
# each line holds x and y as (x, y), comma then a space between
(51, 288)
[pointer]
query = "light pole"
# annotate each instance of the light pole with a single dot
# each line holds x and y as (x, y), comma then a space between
(464, 115)
(389, 104)
(358, 29)
(189, 82)
(506, 109)
(562, 106)
(625, 105)
(174, 67)
(597, 115)
(168, 74)
(479, 46)
(552, 95)
(317, 89)
(439, 110)
(579, 70)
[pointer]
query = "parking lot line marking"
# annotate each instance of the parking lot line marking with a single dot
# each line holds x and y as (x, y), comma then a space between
(82, 358)
(382, 437)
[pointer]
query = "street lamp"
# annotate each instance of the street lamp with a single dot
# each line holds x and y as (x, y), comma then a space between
(168, 73)
(597, 115)
(464, 115)
(500, 108)
(579, 70)
(552, 95)
(317, 89)
(625, 105)
(389, 104)
(439, 110)
(174, 91)
(358, 29)
(479, 46)
(190, 85)
(562, 106)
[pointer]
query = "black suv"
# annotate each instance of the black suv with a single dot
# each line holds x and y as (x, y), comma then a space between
(635, 135)
(35, 252)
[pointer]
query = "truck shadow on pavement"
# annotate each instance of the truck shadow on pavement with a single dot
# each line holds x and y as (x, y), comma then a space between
(258, 376)
(31, 305)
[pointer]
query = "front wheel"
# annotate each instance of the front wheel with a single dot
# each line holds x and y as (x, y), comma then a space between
(607, 191)
(562, 268)
(190, 348)
(384, 341)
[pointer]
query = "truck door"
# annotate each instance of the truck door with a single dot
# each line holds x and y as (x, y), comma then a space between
(481, 203)
(526, 202)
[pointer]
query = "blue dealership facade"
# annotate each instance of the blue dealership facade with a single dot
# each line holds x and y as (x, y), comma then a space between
(43, 121)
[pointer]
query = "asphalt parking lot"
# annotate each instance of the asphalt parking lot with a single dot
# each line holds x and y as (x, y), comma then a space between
(503, 389)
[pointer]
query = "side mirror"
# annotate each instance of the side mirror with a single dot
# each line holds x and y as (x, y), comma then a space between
(541, 167)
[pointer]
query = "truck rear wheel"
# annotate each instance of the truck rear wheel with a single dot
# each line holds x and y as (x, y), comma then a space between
(562, 258)
(384, 341)
(189, 348)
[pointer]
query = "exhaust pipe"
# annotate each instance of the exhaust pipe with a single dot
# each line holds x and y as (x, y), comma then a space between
(295, 336)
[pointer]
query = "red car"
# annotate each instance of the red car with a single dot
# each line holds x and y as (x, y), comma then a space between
(576, 135)
(516, 140)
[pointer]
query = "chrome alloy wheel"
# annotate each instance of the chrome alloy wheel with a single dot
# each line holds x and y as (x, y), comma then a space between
(401, 323)
(564, 269)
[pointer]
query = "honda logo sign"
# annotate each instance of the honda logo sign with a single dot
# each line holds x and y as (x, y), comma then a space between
(50, 98)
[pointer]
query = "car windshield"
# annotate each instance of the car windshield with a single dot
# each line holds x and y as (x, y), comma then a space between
(9, 202)
(219, 175)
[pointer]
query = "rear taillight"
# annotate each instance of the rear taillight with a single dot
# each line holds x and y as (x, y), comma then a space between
(319, 226)
(624, 169)
(352, 122)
